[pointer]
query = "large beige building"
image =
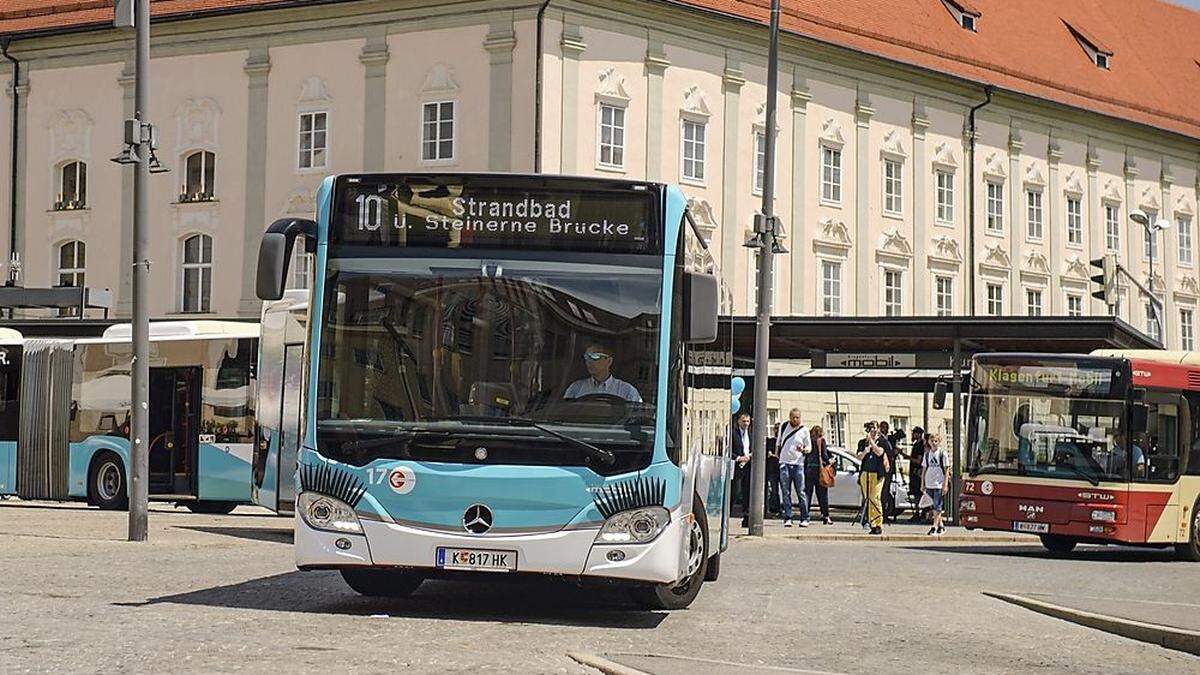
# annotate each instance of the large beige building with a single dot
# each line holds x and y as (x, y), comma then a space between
(1079, 117)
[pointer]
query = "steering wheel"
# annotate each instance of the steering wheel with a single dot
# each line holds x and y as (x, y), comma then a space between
(611, 399)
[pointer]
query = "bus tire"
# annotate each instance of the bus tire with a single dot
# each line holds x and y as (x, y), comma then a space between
(1191, 549)
(1058, 544)
(211, 507)
(106, 482)
(680, 594)
(382, 583)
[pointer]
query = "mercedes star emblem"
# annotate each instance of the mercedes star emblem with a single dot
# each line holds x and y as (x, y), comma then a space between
(477, 519)
(481, 453)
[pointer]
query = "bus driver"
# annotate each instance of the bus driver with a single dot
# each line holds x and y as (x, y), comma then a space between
(600, 380)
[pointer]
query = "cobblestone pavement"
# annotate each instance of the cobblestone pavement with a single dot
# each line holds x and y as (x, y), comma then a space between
(220, 594)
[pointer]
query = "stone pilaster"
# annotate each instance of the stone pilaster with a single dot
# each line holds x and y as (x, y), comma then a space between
(798, 226)
(922, 280)
(124, 299)
(499, 44)
(656, 67)
(1169, 248)
(730, 227)
(1095, 220)
(1055, 234)
(573, 47)
(1016, 221)
(257, 69)
(1132, 243)
(863, 274)
(374, 58)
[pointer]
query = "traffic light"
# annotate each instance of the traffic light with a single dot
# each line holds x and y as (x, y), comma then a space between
(1106, 280)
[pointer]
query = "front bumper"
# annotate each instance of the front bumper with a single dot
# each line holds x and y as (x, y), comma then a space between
(565, 552)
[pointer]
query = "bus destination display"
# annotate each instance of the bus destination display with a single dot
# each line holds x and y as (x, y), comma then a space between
(464, 215)
(1047, 378)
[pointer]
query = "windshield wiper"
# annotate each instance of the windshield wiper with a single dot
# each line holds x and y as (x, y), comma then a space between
(1079, 472)
(606, 457)
(393, 437)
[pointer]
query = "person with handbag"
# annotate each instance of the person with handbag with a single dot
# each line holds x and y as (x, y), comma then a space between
(819, 474)
(874, 466)
(933, 469)
(794, 444)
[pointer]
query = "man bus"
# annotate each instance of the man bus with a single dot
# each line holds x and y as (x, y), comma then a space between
(1097, 449)
(446, 432)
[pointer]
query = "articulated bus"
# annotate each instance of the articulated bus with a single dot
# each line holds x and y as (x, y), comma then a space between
(510, 374)
(65, 415)
(1101, 449)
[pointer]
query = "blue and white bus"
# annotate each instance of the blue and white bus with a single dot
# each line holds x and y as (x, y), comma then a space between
(507, 373)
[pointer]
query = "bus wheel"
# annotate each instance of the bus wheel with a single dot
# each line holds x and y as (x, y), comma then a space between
(382, 583)
(1191, 550)
(106, 482)
(1058, 544)
(681, 593)
(215, 508)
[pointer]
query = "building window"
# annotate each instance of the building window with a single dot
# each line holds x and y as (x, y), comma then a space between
(831, 288)
(1183, 226)
(1112, 228)
(943, 296)
(1102, 60)
(945, 196)
(1033, 302)
(301, 265)
(693, 150)
(893, 292)
(1033, 214)
(200, 170)
(760, 161)
(893, 187)
(313, 139)
(1074, 221)
(1074, 305)
(437, 131)
(968, 22)
(831, 175)
(835, 429)
(995, 299)
(72, 187)
(1151, 323)
(197, 274)
(71, 263)
(1150, 239)
(752, 269)
(1186, 330)
(995, 207)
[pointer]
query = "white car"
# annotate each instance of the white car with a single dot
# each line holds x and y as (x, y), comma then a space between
(845, 493)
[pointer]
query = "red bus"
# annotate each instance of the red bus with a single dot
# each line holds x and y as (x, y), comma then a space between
(1101, 449)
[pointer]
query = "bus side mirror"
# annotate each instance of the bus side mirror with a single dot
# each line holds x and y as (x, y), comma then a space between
(1139, 418)
(939, 395)
(701, 294)
(274, 253)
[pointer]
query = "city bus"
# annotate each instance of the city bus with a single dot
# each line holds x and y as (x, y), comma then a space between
(510, 375)
(1102, 448)
(65, 417)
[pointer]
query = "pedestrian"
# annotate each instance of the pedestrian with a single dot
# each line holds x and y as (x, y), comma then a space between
(873, 468)
(814, 460)
(740, 485)
(771, 499)
(934, 467)
(915, 454)
(889, 448)
(794, 444)
(863, 444)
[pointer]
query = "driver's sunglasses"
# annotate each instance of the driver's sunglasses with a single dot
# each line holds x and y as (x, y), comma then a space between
(595, 356)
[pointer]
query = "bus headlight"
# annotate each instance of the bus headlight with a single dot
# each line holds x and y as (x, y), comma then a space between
(1104, 516)
(322, 512)
(636, 526)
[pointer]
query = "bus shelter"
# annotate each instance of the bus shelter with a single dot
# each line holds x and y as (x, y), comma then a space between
(911, 354)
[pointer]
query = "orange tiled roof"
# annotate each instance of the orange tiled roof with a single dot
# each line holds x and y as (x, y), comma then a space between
(1024, 46)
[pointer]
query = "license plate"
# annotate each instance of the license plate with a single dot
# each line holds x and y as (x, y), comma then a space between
(476, 559)
(1040, 528)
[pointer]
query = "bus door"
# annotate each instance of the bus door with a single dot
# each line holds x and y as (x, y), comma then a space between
(174, 430)
(1153, 498)
(290, 423)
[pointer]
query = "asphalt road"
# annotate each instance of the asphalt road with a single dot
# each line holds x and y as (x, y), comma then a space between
(219, 594)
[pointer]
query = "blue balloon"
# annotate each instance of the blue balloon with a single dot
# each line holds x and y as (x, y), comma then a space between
(737, 386)
(735, 405)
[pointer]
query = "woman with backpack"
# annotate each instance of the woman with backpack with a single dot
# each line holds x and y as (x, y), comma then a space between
(933, 471)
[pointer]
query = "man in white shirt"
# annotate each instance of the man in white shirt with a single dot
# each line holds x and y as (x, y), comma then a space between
(793, 443)
(599, 361)
(741, 466)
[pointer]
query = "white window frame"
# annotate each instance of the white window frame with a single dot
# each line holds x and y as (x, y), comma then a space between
(994, 306)
(941, 308)
(1185, 242)
(1032, 294)
(300, 269)
(994, 197)
(1187, 328)
(1075, 298)
(831, 175)
(835, 426)
(1035, 215)
(1074, 220)
(893, 187)
(752, 276)
(203, 269)
(437, 139)
(1112, 227)
(1150, 248)
(206, 192)
(77, 271)
(71, 202)
(944, 201)
(313, 149)
(1151, 324)
(616, 143)
(697, 159)
(828, 303)
(760, 160)
(892, 300)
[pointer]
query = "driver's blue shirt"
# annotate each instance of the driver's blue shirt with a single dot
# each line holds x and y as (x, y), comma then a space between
(612, 386)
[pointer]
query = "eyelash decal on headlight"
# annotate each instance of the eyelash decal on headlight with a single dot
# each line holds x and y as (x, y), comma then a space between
(329, 480)
(630, 494)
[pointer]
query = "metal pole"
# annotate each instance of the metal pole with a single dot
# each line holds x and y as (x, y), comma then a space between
(139, 399)
(956, 434)
(766, 254)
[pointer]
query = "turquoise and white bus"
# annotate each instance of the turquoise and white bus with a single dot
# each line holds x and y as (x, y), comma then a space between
(514, 374)
(65, 415)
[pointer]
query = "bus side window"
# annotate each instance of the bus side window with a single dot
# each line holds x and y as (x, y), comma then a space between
(1156, 453)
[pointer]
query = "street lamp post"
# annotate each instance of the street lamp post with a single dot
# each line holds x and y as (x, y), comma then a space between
(1152, 229)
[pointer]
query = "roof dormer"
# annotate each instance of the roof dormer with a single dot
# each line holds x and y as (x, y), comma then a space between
(1096, 51)
(965, 13)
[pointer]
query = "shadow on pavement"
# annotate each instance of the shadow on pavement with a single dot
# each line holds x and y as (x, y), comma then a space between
(528, 600)
(1083, 553)
(272, 534)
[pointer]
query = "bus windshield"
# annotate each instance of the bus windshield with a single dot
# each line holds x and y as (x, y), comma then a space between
(504, 359)
(1050, 420)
